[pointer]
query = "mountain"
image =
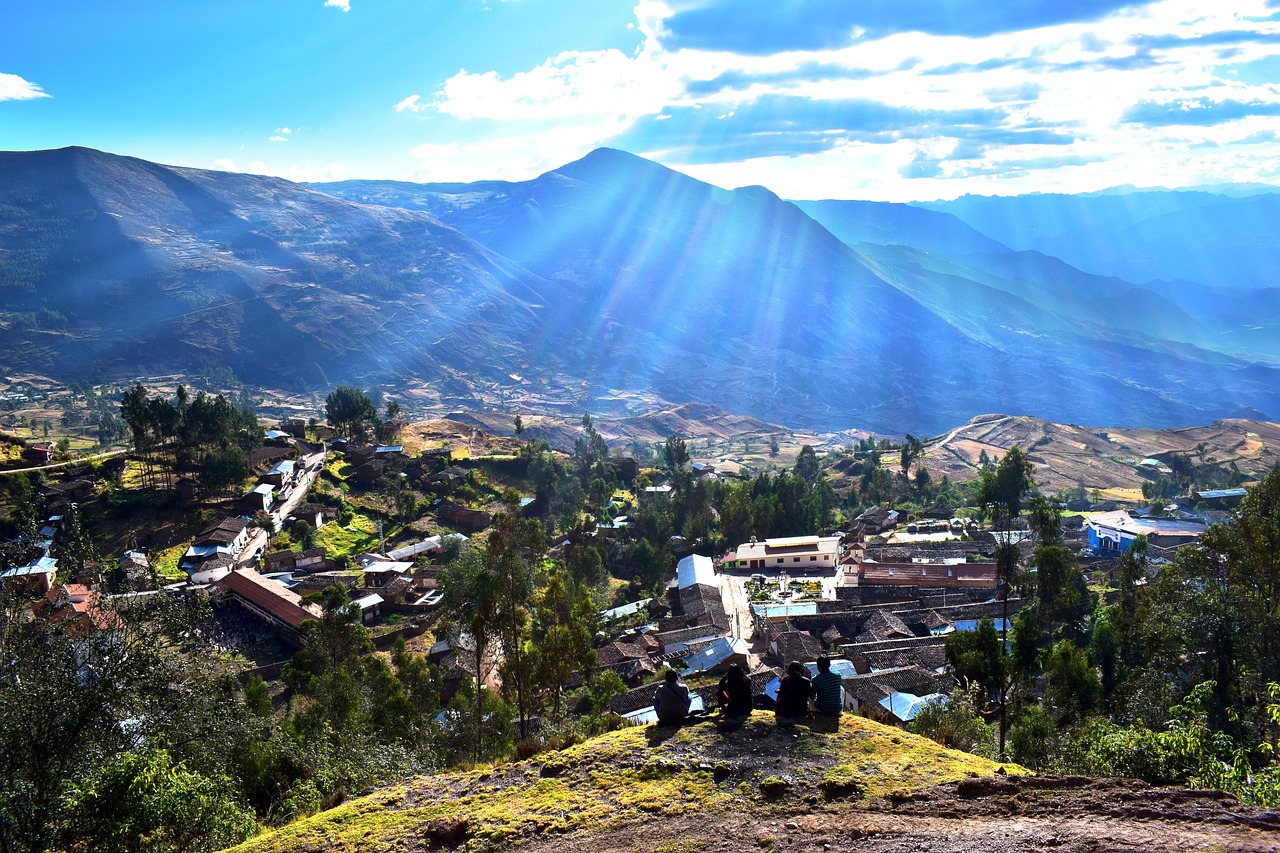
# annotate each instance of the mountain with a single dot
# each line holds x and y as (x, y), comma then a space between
(1216, 238)
(611, 284)
(767, 312)
(886, 223)
(113, 267)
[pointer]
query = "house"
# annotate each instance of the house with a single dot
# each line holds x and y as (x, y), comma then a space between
(461, 516)
(77, 610)
(1219, 498)
(282, 474)
(261, 498)
(370, 607)
(385, 450)
(701, 604)
(135, 572)
(1114, 532)
(946, 575)
(792, 554)
(872, 688)
(311, 560)
(224, 540)
(883, 625)
(296, 427)
(695, 569)
(40, 454)
(188, 489)
(36, 576)
(317, 515)
(876, 520)
(718, 656)
(267, 599)
(379, 573)
(72, 491)
(791, 646)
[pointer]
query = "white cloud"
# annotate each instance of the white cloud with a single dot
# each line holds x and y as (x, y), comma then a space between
(573, 84)
(14, 88)
(225, 164)
(1075, 80)
(274, 138)
(412, 104)
(344, 5)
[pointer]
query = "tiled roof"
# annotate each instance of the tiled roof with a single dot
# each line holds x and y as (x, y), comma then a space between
(271, 597)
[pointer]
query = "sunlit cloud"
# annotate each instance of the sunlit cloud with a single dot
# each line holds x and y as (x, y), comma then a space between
(14, 88)
(572, 84)
(344, 5)
(924, 102)
(413, 104)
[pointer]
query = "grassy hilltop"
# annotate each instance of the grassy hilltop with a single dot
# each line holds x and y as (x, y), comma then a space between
(620, 777)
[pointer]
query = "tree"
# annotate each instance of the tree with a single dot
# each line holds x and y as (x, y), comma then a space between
(807, 467)
(516, 546)
(912, 449)
(350, 412)
(675, 455)
(145, 801)
(471, 594)
(519, 425)
(1072, 688)
(977, 657)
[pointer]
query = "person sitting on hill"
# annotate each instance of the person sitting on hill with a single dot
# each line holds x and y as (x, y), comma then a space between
(794, 694)
(671, 700)
(828, 689)
(735, 693)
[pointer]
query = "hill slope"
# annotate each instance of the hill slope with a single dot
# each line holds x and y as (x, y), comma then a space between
(1141, 236)
(589, 789)
(856, 785)
(740, 299)
(112, 266)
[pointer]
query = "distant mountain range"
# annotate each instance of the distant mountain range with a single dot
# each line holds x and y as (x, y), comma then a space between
(604, 279)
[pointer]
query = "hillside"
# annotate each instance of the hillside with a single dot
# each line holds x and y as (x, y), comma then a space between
(743, 300)
(113, 267)
(1141, 235)
(626, 775)
(764, 788)
(1066, 455)
(611, 284)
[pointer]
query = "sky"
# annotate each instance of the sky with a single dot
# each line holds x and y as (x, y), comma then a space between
(891, 100)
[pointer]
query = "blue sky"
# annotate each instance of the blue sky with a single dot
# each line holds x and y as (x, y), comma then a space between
(877, 99)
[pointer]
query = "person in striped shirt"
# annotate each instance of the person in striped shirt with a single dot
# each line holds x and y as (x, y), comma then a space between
(828, 689)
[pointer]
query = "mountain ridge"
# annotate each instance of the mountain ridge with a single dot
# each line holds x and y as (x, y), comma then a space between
(607, 277)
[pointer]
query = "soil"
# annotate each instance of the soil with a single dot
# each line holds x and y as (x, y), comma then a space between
(1062, 814)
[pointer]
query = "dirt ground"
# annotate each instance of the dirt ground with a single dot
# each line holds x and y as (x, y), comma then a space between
(1068, 815)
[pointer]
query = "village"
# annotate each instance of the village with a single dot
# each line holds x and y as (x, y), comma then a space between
(879, 596)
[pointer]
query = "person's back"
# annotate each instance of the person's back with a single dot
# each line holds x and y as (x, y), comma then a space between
(735, 693)
(828, 689)
(794, 693)
(671, 701)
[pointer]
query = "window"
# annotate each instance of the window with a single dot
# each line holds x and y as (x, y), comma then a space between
(795, 559)
(813, 559)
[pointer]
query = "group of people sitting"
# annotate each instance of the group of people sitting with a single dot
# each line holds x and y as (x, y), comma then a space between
(798, 695)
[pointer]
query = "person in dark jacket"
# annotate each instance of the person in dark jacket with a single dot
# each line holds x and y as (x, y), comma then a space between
(671, 700)
(794, 694)
(735, 693)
